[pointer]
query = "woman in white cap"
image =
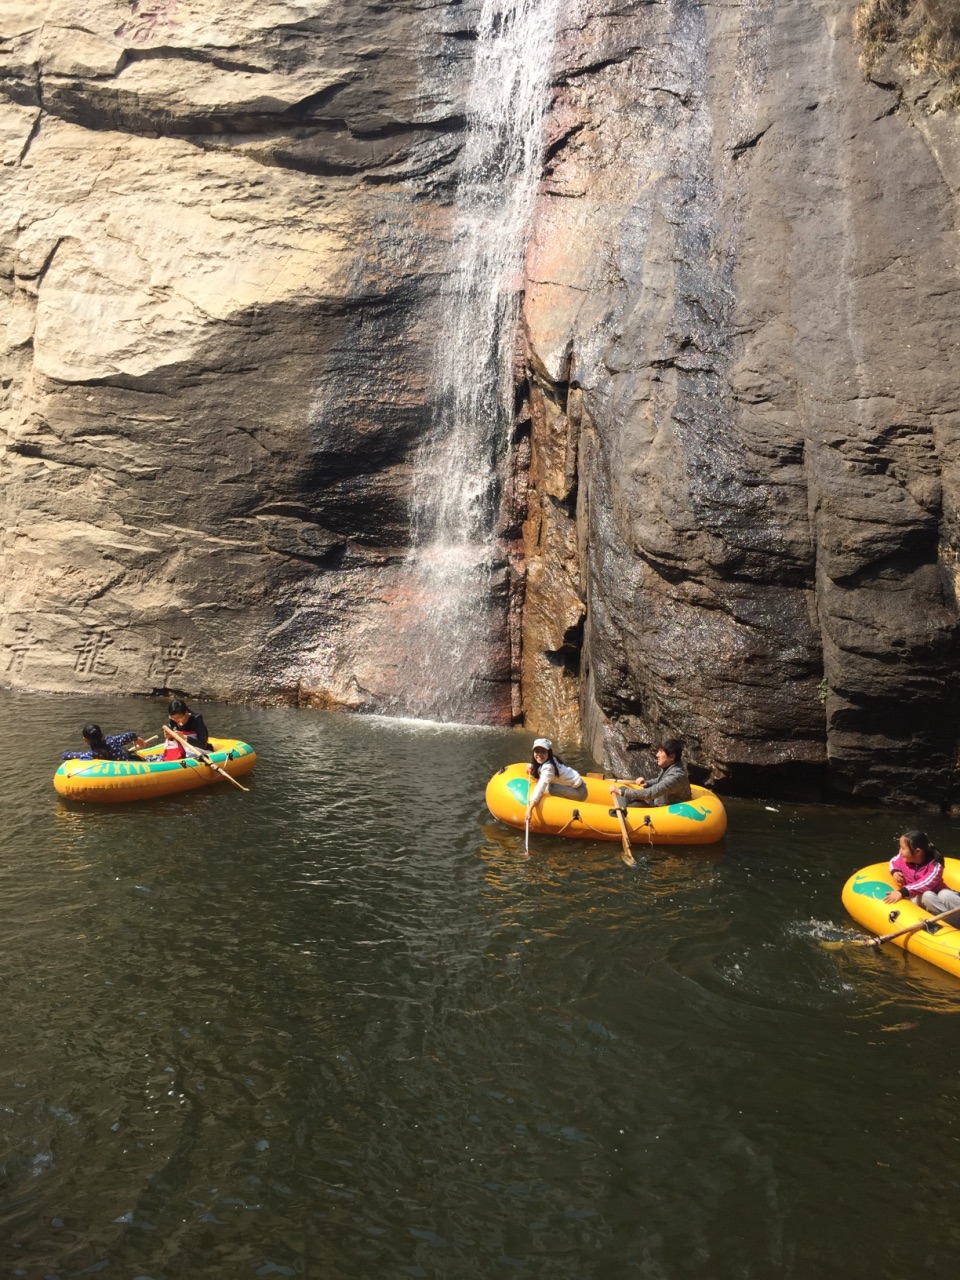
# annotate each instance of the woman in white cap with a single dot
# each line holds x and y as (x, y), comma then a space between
(554, 778)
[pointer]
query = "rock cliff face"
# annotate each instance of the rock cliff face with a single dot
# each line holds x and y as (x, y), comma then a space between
(742, 318)
(224, 238)
(224, 228)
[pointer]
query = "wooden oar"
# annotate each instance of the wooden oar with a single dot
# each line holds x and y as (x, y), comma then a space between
(835, 944)
(911, 928)
(202, 755)
(627, 854)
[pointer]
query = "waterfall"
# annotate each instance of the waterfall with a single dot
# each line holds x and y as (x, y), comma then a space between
(461, 657)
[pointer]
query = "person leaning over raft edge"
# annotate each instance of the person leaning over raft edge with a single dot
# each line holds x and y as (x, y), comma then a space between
(670, 786)
(189, 725)
(112, 747)
(554, 778)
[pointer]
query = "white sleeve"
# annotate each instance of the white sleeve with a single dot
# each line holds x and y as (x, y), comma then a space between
(546, 777)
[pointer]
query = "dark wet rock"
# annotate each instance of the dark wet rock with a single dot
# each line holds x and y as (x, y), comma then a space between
(745, 261)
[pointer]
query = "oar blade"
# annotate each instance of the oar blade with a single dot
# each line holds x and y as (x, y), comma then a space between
(626, 854)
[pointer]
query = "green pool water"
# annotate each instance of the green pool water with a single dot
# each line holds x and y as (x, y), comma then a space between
(339, 1027)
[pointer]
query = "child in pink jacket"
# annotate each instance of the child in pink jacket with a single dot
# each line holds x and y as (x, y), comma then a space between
(917, 871)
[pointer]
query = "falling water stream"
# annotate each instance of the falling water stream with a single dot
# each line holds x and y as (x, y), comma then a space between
(461, 651)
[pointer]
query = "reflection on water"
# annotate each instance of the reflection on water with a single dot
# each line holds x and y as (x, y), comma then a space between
(340, 1027)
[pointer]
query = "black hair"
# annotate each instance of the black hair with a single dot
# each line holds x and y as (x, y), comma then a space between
(920, 841)
(551, 759)
(93, 734)
(673, 747)
(178, 708)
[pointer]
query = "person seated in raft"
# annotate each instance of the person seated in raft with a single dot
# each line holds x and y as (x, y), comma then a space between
(189, 725)
(112, 747)
(917, 871)
(670, 786)
(554, 778)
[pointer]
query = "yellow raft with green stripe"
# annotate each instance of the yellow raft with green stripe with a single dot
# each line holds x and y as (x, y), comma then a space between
(863, 897)
(111, 780)
(700, 820)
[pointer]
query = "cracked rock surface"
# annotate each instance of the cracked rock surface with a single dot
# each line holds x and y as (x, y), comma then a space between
(222, 229)
(744, 279)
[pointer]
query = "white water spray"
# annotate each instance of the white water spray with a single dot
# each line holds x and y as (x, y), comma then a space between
(462, 648)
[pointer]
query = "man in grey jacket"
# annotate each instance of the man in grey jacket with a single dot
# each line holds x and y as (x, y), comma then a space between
(670, 786)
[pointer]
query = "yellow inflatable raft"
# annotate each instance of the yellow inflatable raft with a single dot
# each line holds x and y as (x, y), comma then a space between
(863, 897)
(112, 780)
(700, 820)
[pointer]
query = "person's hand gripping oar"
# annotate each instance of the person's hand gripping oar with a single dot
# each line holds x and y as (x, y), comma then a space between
(202, 756)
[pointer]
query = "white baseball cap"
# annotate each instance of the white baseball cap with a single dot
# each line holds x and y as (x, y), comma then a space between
(543, 742)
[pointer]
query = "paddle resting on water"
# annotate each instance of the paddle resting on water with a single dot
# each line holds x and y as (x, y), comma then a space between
(627, 854)
(911, 928)
(889, 937)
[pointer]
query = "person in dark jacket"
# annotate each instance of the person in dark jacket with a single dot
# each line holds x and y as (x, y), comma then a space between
(111, 746)
(670, 786)
(189, 725)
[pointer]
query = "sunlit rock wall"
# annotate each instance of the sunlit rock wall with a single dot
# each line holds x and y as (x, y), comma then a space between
(742, 318)
(223, 227)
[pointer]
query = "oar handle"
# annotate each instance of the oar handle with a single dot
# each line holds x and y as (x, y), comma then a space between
(203, 757)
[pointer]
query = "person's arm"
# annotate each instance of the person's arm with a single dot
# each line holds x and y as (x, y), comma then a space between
(909, 890)
(546, 775)
(919, 886)
(899, 880)
(656, 787)
(118, 744)
(200, 732)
